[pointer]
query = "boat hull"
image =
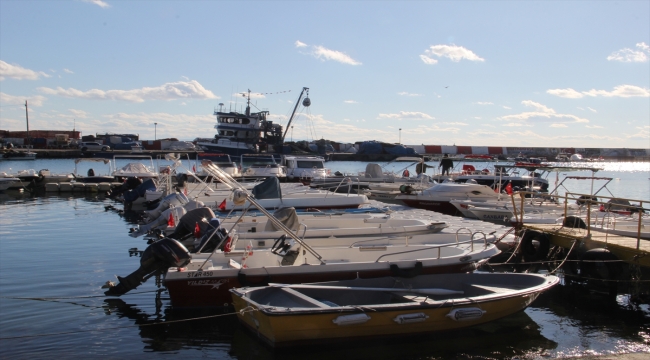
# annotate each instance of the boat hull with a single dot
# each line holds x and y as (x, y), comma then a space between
(210, 289)
(443, 207)
(280, 327)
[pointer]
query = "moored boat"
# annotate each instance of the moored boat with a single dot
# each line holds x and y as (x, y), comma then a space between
(283, 315)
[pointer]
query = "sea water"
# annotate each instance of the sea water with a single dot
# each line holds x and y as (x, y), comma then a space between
(56, 251)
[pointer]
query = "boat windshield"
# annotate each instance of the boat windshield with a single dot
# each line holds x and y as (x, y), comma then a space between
(310, 164)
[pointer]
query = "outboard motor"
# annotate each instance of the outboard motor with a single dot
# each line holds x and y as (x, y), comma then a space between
(171, 200)
(156, 259)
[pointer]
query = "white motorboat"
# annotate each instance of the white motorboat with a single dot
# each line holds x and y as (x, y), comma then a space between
(261, 166)
(203, 280)
(92, 175)
(7, 183)
(304, 168)
(134, 169)
(375, 175)
(438, 197)
(223, 161)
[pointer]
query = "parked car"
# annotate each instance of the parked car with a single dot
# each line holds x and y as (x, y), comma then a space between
(93, 146)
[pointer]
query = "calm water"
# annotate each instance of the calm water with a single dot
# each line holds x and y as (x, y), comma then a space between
(57, 251)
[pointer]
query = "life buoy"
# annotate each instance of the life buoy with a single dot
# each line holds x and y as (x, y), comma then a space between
(534, 246)
(406, 173)
(600, 264)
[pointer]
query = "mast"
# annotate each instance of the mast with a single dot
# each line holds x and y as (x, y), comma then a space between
(306, 103)
(27, 119)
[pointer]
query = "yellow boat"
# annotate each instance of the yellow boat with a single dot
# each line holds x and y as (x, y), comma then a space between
(284, 315)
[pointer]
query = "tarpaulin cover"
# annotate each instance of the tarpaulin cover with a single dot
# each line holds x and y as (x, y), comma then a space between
(287, 216)
(268, 189)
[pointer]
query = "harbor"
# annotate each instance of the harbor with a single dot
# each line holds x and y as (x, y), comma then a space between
(67, 299)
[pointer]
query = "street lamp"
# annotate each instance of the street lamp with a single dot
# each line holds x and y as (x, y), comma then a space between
(400, 136)
(155, 131)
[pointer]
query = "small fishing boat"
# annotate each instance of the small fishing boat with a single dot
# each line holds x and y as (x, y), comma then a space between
(284, 315)
(259, 166)
(18, 155)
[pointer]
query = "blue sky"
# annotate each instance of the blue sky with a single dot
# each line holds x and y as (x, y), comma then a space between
(527, 73)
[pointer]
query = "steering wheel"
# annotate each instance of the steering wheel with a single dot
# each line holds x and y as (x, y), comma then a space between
(279, 244)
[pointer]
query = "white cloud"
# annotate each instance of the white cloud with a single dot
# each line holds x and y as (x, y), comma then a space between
(18, 72)
(619, 91)
(323, 54)
(565, 93)
(624, 91)
(506, 107)
(454, 123)
(79, 114)
(99, 3)
(643, 132)
(349, 101)
(558, 125)
(592, 110)
(68, 71)
(640, 54)
(542, 113)
(516, 125)
(414, 115)
(169, 91)
(7, 99)
(484, 103)
(452, 52)
(404, 93)
(593, 127)
(427, 60)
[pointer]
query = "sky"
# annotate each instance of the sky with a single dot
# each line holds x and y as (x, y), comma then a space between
(473, 73)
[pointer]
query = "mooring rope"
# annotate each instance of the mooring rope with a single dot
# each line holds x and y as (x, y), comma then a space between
(127, 326)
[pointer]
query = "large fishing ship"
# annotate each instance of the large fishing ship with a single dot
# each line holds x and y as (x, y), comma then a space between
(249, 133)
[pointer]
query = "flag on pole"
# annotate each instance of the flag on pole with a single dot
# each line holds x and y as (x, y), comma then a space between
(222, 206)
(509, 188)
(197, 231)
(171, 221)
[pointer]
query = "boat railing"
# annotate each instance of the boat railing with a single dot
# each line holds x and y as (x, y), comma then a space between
(438, 248)
(242, 192)
(589, 203)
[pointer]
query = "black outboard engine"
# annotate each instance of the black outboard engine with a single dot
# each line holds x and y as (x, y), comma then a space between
(156, 259)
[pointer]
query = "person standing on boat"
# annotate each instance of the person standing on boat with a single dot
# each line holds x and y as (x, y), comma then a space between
(446, 163)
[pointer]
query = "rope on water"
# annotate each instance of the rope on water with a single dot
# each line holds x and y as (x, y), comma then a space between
(69, 297)
(243, 311)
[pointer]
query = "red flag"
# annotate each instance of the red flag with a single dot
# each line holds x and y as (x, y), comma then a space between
(197, 231)
(509, 189)
(171, 221)
(193, 168)
(222, 206)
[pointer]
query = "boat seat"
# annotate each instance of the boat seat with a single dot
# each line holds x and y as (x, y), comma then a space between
(305, 297)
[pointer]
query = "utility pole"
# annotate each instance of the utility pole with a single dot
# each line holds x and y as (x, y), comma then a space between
(27, 119)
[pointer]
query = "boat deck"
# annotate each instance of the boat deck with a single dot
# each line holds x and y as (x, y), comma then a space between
(628, 249)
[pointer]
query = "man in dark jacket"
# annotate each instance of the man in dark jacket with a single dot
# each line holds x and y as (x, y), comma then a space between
(446, 164)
